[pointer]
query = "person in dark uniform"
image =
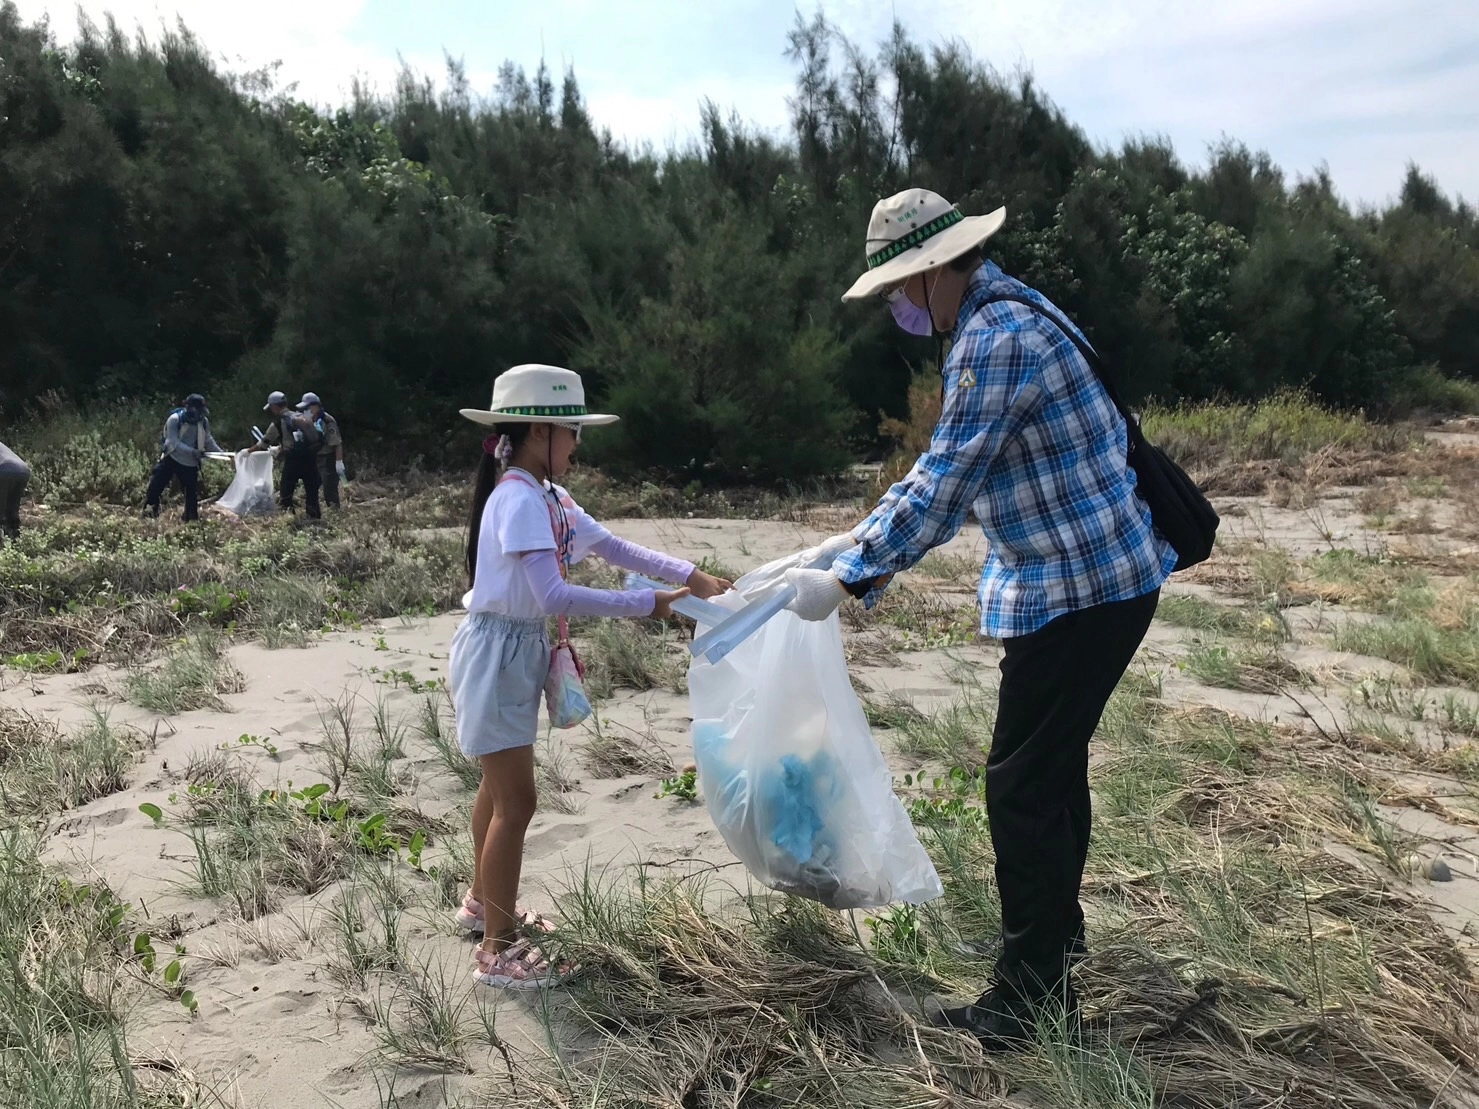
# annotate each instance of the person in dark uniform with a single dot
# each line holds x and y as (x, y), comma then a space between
(297, 442)
(331, 453)
(14, 474)
(186, 440)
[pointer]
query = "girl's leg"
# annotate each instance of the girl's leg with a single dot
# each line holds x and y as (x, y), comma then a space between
(508, 777)
(482, 813)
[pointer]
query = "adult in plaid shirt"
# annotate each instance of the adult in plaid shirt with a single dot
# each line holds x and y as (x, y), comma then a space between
(1030, 441)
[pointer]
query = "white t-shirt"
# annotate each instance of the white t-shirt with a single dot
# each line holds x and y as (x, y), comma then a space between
(516, 520)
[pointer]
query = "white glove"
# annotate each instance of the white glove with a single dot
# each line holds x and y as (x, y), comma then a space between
(272, 450)
(339, 469)
(826, 553)
(819, 593)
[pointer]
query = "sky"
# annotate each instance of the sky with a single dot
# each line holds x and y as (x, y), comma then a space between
(1360, 86)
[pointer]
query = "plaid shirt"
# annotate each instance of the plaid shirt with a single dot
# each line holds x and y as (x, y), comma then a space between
(1029, 438)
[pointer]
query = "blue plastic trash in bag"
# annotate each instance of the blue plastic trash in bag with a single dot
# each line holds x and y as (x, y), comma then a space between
(789, 770)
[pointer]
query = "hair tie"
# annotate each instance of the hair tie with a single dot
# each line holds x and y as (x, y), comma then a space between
(501, 447)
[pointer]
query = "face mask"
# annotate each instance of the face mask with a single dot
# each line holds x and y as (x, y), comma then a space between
(909, 316)
(912, 318)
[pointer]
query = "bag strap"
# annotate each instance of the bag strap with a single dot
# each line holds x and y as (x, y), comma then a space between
(1088, 353)
(564, 536)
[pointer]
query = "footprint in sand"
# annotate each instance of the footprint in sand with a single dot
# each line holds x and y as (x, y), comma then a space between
(629, 791)
(553, 839)
(92, 822)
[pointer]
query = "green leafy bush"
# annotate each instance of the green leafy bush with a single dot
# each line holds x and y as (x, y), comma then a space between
(86, 468)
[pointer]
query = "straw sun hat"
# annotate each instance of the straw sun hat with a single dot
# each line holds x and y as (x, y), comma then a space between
(914, 231)
(536, 394)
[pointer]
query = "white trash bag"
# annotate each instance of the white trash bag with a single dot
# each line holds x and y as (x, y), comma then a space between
(250, 491)
(790, 773)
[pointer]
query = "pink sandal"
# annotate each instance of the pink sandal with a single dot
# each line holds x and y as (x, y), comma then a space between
(472, 918)
(520, 966)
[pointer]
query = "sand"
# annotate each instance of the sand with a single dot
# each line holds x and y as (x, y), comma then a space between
(275, 1029)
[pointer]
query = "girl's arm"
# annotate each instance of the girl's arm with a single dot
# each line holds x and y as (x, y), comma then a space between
(557, 597)
(630, 556)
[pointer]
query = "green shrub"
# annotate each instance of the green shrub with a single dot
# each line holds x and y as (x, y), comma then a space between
(86, 468)
(1428, 389)
(1286, 427)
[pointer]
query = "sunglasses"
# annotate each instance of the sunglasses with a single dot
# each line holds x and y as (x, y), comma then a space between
(890, 296)
(575, 428)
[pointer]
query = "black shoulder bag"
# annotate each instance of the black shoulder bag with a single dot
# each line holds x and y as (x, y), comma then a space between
(1179, 510)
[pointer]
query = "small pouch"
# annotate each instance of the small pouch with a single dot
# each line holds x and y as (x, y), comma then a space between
(564, 688)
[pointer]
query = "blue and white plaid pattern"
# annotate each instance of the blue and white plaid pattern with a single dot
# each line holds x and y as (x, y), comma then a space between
(1030, 440)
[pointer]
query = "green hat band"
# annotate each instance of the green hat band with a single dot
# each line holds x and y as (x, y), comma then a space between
(542, 410)
(914, 238)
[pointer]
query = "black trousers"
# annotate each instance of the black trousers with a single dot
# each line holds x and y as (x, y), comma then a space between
(12, 487)
(304, 468)
(330, 477)
(167, 469)
(1055, 683)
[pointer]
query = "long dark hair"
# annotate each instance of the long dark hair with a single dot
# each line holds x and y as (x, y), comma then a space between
(484, 481)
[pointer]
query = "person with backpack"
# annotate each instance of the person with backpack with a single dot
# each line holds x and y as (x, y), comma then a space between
(331, 452)
(14, 475)
(1078, 510)
(297, 443)
(186, 440)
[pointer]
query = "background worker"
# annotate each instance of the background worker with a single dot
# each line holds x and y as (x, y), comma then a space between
(298, 441)
(186, 440)
(331, 452)
(14, 474)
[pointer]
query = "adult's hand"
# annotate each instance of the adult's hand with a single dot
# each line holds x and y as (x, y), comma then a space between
(824, 554)
(819, 593)
(339, 469)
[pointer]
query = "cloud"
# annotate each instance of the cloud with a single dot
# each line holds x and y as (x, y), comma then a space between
(313, 40)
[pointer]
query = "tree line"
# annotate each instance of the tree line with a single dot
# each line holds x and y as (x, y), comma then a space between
(166, 226)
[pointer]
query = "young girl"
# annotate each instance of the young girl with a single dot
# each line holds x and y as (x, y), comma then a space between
(523, 530)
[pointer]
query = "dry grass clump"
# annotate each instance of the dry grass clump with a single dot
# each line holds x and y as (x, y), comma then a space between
(194, 676)
(627, 654)
(958, 735)
(1199, 614)
(1252, 669)
(44, 769)
(772, 1003)
(1443, 647)
(555, 781)
(912, 619)
(440, 735)
(617, 751)
(1425, 626)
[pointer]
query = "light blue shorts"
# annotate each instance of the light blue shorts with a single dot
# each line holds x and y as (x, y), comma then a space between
(497, 673)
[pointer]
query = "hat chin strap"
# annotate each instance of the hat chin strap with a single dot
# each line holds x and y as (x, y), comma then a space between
(939, 335)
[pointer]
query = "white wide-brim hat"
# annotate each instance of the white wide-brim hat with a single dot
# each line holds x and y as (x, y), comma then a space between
(537, 394)
(914, 231)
